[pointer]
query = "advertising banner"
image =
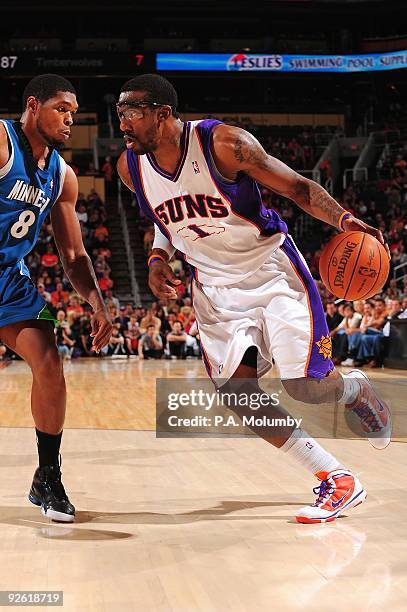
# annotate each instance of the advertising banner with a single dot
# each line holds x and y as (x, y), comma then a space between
(246, 62)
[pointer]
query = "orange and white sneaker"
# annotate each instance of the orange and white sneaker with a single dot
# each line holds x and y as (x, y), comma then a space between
(338, 492)
(374, 413)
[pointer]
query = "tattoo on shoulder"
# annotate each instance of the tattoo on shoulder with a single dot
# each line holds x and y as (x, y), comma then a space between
(250, 152)
(238, 150)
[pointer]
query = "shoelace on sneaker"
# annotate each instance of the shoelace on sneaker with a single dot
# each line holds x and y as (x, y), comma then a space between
(55, 485)
(367, 416)
(324, 491)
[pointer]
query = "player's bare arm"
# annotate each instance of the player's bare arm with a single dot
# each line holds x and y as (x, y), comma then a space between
(75, 260)
(236, 150)
(161, 278)
(123, 171)
(4, 152)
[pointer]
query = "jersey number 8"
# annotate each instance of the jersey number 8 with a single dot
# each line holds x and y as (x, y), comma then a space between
(20, 228)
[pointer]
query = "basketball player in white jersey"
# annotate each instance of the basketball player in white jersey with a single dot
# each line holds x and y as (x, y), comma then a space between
(254, 296)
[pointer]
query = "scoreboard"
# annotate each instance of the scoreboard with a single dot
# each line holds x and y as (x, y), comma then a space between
(28, 64)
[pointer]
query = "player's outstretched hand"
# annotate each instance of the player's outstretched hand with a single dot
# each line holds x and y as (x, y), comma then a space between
(101, 329)
(352, 224)
(163, 281)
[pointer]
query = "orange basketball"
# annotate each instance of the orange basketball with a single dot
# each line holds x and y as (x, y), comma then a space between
(354, 266)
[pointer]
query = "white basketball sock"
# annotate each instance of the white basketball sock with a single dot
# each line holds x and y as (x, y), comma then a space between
(310, 454)
(351, 388)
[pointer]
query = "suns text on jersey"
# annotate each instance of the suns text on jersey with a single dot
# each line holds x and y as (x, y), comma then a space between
(24, 192)
(190, 207)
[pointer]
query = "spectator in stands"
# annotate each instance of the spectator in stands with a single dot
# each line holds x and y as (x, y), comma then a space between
(374, 340)
(140, 313)
(150, 319)
(116, 345)
(177, 339)
(59, 296)
(381, 344)
(176, 266)
(101, 266)
(366, 349)
(181, 290)
(355, 339)
(49, 285)
(74, 309)
(81, 212)
(44, 294)
(105, 283)
(85, 340)
(165, 325)
(94, 200)
(132, 335)
(333, 318)
(122, 320)
(49, 259)
(150, 344)
(170, 320)
(128, 309)
(109, 296)
(64, 340)
(348, 326)
(109, 174)
(100, 235)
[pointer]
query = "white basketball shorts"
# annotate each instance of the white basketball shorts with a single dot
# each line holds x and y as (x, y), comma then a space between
(277, 309)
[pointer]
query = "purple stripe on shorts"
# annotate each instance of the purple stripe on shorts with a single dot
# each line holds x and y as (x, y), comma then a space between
(319, 363)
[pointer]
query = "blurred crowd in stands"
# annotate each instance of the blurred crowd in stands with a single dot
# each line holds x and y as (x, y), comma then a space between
(360, 330)
(161, 330)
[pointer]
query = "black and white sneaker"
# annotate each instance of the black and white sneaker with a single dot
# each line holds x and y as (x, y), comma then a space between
(48, 492)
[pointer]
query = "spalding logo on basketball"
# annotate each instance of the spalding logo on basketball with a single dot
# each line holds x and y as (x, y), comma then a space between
(354, 266)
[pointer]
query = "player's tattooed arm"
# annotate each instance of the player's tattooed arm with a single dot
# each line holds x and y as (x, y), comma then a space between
(316, 201)
(236, 150)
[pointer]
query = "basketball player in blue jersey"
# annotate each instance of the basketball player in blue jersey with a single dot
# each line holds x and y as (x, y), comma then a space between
(254, 297)
(35, 182)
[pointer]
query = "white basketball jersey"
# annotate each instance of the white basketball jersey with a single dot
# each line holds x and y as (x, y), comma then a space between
(221, 227)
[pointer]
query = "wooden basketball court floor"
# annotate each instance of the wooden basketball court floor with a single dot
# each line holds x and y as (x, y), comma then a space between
(189, 524)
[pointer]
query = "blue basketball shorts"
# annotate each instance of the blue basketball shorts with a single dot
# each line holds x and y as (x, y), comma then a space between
(19, 298)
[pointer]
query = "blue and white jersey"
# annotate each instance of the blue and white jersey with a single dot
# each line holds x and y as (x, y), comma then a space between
(27, 194)
(221, 226)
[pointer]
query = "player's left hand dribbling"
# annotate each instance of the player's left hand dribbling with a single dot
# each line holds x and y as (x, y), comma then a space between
(352, 224)
(101, 329)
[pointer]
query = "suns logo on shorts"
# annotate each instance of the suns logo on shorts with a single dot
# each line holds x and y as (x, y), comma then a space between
(325, 346)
